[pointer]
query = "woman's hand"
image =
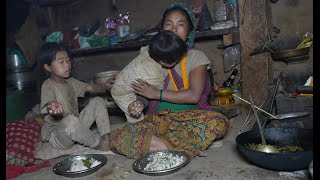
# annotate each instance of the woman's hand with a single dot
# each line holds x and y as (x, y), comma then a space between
(55, 108)
(144, 89)
(111, 81)
(135, 108)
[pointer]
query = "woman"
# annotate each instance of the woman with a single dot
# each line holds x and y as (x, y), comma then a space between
(178, 19)
(178, 116)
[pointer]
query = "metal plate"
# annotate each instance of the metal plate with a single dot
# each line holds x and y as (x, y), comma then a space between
(64, 166)
(138, 34)
(141, 163)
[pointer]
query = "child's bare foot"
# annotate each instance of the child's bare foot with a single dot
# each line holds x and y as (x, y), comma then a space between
(157, 145)
(103, 143)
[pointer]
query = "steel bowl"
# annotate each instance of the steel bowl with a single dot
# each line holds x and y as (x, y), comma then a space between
(141, 163)
(102, 77)
(64, 166)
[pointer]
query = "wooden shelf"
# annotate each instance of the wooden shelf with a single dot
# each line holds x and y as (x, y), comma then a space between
(216, 32)
(134, 45)
(125, 46)
(49, 2)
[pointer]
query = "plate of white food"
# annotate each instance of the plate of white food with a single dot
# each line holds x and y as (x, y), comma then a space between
(161, 163)
(80, 165)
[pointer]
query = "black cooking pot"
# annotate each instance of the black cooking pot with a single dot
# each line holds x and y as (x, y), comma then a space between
(288, 161)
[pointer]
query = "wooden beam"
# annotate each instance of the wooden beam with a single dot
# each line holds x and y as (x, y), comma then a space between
(135, 45)
(51, 17)
(49, 2)
(255, 30)
(232, 38)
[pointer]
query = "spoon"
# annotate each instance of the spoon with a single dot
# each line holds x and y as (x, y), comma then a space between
(290, 115)
(263, 147)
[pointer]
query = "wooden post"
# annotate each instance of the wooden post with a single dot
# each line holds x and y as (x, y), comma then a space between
(51, 17)
(232, 38)
(255, 30)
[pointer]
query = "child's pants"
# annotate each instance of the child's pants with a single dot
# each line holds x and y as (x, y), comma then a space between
(73, 129)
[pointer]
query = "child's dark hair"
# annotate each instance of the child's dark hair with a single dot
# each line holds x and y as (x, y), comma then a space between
(175, 8)
(46, 55)
(167, 47)
(48, 52)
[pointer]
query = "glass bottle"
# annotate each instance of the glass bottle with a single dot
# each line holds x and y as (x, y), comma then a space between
(220, 10)
(234, 12)
(236, 91)
(230, 80)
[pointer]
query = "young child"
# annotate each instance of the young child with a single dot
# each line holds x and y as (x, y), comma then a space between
(169, 50)
(64, 125)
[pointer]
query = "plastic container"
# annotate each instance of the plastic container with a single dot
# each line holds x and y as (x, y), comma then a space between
(237, 92)
(225, 97)
(123, 28)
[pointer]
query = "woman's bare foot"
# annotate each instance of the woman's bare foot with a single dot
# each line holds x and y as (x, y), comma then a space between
(103, 143)
(157, 145)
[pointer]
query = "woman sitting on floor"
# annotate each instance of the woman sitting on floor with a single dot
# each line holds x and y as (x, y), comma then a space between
(178, 116)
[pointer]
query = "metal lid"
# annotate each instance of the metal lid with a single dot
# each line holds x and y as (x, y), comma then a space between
(224, 91)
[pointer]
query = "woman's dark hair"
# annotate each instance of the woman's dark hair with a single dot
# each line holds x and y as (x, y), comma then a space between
(167, 47)
(177, 8)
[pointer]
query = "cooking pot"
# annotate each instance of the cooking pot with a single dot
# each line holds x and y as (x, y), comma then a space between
(14, 63)
(21, 80)
(286, 161)
(101, 78)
